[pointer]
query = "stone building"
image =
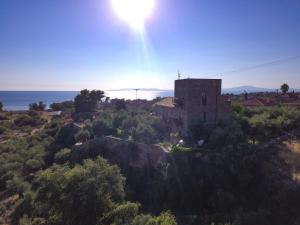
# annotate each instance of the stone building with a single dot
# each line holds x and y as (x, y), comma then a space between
(195, 100)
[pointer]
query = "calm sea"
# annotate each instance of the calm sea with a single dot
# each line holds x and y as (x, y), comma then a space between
(19, 100)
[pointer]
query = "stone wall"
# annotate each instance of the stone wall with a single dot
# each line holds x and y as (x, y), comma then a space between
(195, 100)
(200, 99)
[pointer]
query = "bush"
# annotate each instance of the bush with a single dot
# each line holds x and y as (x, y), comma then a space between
(2, 129)
(62, 156)
(103, 126)
(63, 106)
(33, 113)
(66, 135)
(37, 106)
(2, 208)
(82, 116)
(3, 117)
(80, 195)
(25, 120)
(33, 165)
(144, 133)
(82, 136)
(165, 218)
(120, 104)
(17, 185)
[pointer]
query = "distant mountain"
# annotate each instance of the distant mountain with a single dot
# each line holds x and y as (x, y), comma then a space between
(249, 89)
(233, 90)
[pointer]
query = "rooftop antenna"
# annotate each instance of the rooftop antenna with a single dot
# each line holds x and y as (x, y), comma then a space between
(179, 75)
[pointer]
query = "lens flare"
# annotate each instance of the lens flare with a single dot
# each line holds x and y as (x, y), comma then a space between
(134, 12)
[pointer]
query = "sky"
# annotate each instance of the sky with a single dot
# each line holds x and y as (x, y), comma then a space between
(77, 44)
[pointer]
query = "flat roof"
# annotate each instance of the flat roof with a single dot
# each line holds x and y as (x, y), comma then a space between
(197, 79)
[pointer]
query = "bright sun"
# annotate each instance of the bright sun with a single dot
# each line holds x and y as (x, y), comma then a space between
(134, 12)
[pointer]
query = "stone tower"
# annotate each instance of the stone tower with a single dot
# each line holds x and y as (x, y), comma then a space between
(200, 99)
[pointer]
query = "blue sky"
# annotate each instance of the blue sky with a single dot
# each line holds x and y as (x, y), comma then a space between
(76, 44)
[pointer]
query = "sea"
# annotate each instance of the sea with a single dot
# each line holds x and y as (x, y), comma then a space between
(20, 100)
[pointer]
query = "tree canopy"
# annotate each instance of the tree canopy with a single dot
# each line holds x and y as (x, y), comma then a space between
(80, 195)
(87, 101)
(40, 106)
(62, 106)
(284, 88)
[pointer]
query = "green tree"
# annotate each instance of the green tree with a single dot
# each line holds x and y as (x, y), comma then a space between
(62, 106)
(40, 106)
(82, 136)
(284, 88)
(144, 133)
(120, 104)
(1, 106)
(122, 215)
(80, 195)
(87, 101)
(165, 218)
(103, 126)
(62, 156)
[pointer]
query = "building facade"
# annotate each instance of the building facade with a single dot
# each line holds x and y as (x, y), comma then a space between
(195, 100)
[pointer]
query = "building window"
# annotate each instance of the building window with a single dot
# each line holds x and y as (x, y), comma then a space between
(204, 99)
(204, 116)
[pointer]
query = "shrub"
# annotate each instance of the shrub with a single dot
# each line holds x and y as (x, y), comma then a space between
(120, 104)
(25, 120)
(63, 106)
(33, 165)
(40, 106)
(62, 156)
(66, 135)
(103, 126)
(82, 136)
(165, 218)
(17, 185)
(3, 117)
(80, 195)
(2, 208)
(82, 116)
(2, 129)
(144, 133)
(33, 113)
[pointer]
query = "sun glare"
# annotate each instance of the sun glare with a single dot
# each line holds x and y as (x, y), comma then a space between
(134, 12)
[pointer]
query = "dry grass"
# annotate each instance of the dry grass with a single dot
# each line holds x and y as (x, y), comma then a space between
(291, 153)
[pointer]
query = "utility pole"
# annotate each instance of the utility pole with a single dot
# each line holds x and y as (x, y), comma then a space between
(136, 91)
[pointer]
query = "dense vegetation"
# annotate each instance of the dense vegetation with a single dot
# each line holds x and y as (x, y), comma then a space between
(68, 173)
(262, 124)
(63, 106)
(40, 106)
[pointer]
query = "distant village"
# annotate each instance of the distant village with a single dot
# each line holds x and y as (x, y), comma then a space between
(201, 99)
(267, 99)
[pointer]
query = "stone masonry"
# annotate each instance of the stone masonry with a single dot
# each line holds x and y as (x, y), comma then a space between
(195, 100)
